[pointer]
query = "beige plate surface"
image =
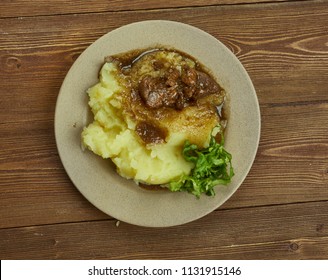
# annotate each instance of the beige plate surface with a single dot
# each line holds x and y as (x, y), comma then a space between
(96, 178)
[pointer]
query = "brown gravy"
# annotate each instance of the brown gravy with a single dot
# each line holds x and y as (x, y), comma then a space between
(150, 133)
(152, 100)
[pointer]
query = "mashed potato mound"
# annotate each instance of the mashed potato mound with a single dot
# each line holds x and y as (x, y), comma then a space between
(113, 135)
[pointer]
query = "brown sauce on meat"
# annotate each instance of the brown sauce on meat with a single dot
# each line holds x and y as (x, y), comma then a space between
(154, 102)
(176, 90)
(152, 99)
(150, 133)
(126, 60)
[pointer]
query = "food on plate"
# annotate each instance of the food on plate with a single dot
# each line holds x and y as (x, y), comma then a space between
(158, 115)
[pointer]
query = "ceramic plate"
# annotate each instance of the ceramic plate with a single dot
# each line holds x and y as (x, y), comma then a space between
(96, 178)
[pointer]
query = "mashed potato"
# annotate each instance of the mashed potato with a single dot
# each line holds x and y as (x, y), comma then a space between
(117, 114)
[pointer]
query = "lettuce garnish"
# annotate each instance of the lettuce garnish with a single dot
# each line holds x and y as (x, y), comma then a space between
(212, 167)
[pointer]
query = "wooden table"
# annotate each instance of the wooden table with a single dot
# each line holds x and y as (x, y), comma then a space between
(281, 209)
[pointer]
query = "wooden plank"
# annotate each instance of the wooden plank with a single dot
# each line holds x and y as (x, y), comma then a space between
(296, 231)
(291, 163)
(278, 58)
(30, 197)
(291, 166)
(41, 7)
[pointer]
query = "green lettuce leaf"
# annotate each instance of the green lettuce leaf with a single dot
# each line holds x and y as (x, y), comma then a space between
(212, 167)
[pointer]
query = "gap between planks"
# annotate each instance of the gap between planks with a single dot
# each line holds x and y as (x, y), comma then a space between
(154, 9)
(111, 219)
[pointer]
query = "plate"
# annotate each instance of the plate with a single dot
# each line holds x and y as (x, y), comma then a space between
(97, 179)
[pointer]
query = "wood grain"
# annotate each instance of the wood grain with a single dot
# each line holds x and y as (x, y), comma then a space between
(291, 166)
(280, 232)
(14, 8)
(281, 209)
(289, 71)
(277, 57)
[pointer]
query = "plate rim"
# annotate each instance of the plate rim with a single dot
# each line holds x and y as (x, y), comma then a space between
(76, 64)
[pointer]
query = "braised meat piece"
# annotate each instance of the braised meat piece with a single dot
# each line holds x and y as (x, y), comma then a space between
(177, 89)
(189, 76)
(156, 94)
(157, 65)
(151, 134)
(205, 85)
(173, 78)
